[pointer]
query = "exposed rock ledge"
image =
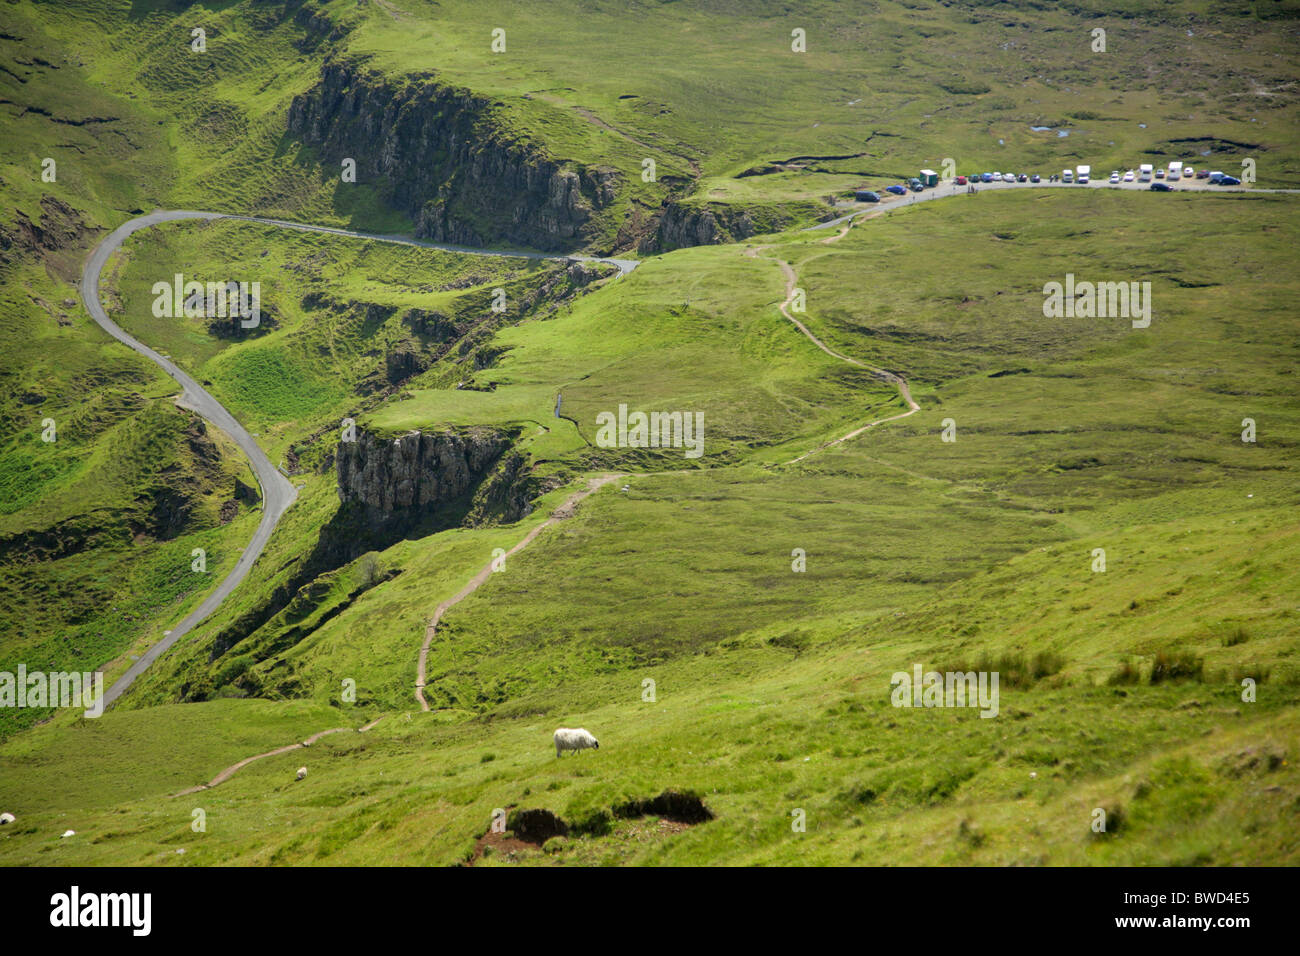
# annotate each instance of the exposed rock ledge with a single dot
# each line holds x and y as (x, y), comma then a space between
(451, 162)
(419, 470)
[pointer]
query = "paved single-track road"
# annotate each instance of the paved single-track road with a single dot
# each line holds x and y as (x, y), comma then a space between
(277, 492)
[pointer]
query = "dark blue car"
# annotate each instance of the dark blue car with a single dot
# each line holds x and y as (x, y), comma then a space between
(986, 178)
(896, 190)
(1229, 181)
(866, 195)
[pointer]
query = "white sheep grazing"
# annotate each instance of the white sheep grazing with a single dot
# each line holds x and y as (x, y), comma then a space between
(575, 740)
(302, 772)
(6, 818)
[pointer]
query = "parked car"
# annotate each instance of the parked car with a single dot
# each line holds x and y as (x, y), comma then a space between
(1161, 188)
(1114, 176)
(1187, 172)
(1035, 178)
(1128, 176)
(896, 190)
(1202, 174)
(986, 178)
(1229, 181)
(866, 195)
(1022, 178)
(1160, 173)
(961, 180)
(1215, 176)
(915, 185)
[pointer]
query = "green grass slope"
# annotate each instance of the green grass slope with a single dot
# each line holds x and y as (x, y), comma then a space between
(1122, 690)
(1125, 690)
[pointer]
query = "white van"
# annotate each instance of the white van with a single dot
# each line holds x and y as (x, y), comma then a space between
(1067, 176)
(1144, 173)
(1083, 173)
(1175, 171)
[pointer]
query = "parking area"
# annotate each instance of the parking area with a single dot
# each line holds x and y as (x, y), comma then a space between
(1146, 176)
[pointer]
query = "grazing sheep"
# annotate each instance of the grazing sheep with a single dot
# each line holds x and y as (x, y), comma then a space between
(68, 833)
(302, 772)
(6, 818)
(575, 740)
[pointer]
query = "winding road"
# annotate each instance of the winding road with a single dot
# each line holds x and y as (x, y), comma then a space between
(277, 492)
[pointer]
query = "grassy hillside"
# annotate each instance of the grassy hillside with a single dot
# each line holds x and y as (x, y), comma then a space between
(894, 85)
(332, 310)
(98, 523)
(1186, 772)
(1123, 689)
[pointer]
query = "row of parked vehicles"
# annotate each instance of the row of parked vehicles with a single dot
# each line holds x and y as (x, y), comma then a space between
(998, 178)
(1158, 177)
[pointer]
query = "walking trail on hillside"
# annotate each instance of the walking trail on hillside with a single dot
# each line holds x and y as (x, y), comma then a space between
(565, 510)
(236, 767)
(791, 281)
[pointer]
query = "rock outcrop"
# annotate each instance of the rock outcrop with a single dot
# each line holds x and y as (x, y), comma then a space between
(448, 161)
(688, 223)
(682, 225)
(392, 488)
(60, 227)
(419, 471)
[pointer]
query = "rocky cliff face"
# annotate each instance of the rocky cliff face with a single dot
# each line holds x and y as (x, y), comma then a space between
(60, 227)
(449, 164)
(420, 471)
(689, 223)
(395, 488)
(681, 225)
